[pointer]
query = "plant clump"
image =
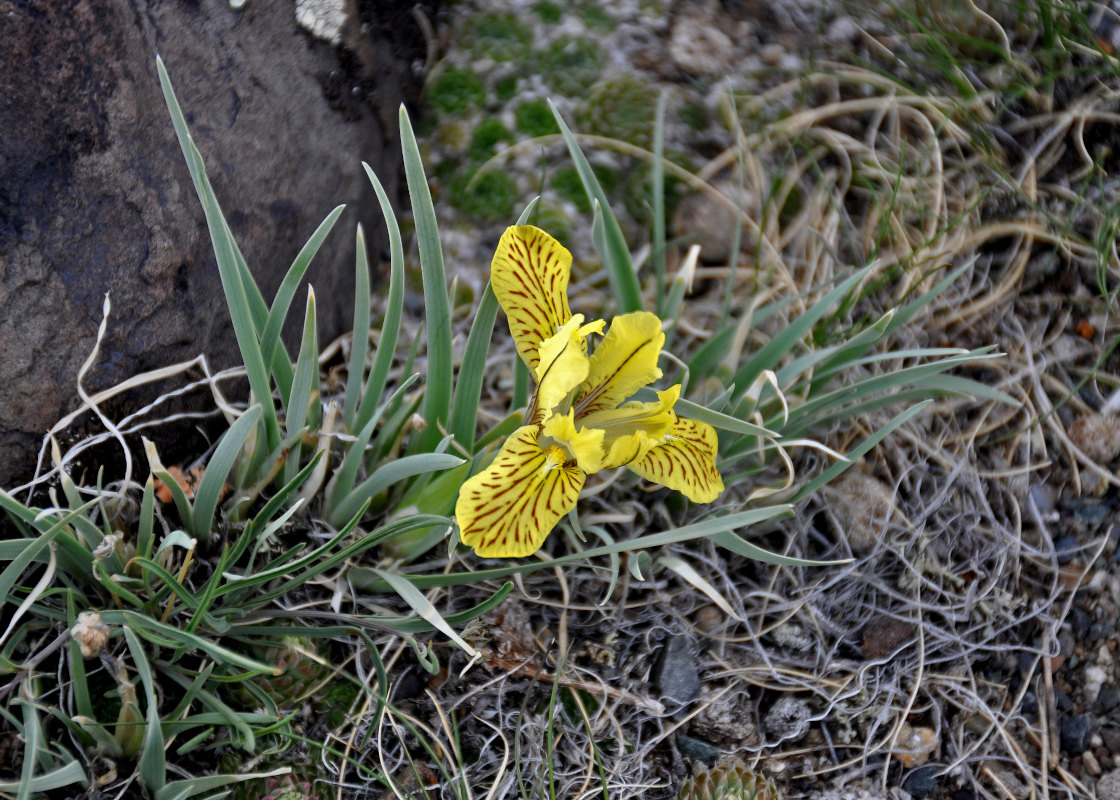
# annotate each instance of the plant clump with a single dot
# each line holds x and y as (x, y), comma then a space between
(498, 36)
(596, 17)
(534, 118)
(567, 184)
(455, 91)
(486, 137)
(621, 108)
(548, 13)
(570, 65)
(728, 781)
(488, 198)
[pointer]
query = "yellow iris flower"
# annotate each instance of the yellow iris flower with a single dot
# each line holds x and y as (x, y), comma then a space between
(578, 421)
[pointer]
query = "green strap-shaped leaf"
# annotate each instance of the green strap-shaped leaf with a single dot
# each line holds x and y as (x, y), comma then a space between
(218, 469)
(437, 388)
(153, 761)
(468, 388)
(359, 341)
(610, 242)
(390, 326)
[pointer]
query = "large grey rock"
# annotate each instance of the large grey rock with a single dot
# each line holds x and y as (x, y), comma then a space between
(95, 196)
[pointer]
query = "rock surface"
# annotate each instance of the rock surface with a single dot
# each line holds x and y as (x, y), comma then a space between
(95, 196)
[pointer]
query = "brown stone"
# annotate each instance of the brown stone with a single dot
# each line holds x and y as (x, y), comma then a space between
(883, 635)
(95, 196)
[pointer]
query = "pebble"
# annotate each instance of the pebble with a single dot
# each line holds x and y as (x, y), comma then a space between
(708, 618)
(1066, 549)
(1097, 436)
(883, 635)
(699, 48)
(1079, 621)
(1093, 681)
(726, 718)
(864, 508)
(1108, 787)
(1076, 731)
(700, 219)
(697, 749)
(677, 676)
(842, 30)
(772, 54)
(1108, 699)
(914, 745)
(1092, 513)
(788, 719)
(922, 781)
(1111, 738)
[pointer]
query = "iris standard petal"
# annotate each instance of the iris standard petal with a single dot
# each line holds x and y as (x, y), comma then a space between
(624, 362)
(508, 509)
(585, 445)
(563, 366)
(529, 275)
(634, 429)
(684, 460)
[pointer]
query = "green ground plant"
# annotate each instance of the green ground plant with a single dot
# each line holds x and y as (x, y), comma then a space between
(172, 627)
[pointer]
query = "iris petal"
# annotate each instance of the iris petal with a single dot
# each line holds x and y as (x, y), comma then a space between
(508, 509)
(585, 445)
(529, 275)
(685, 460)
(563, 365)
(624, 362)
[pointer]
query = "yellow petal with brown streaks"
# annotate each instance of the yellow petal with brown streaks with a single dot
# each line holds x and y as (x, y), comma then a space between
(529, 275)
(624, 362)
(508, 509)
(685, 460)
(563, 366)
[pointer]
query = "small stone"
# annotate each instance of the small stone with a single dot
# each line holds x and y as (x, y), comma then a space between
(1066, 548)
(1111, 738)
(1076, 731)
(1093, 680)
(707, 618)
(701, 219)
(772, 54)
(1108, 699)
(883, 635)
(1043, 498)
(1096, 632)
(1079, 621)
(914, 745)
(697, 47)
(863, 507)
(726, 718)
(1108, 787)
(922, 781)
(1091, 512)
(697, 749)
(323, 19)
(788, 719)
(677, 676)
(842, 30)
(1097, 436)
(1062, 701)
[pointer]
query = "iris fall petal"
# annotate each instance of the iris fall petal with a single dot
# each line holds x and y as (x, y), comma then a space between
(508, 509)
